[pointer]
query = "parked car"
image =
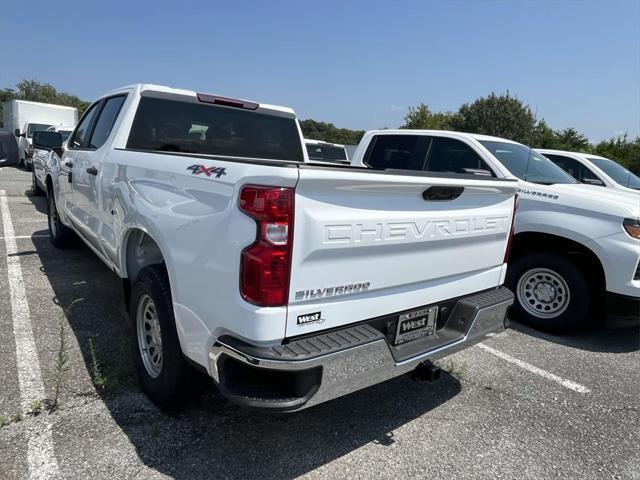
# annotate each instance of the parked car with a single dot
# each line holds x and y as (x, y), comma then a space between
(594, 170)
(289, 284)
(319, 151)
(41, 159)
(8, 149)
(576, 246)
(24, 118)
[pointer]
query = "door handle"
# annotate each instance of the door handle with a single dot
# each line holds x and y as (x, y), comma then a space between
(68, 164)
(92, 170)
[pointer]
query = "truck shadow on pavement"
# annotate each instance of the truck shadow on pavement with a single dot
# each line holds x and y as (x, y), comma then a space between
(209, 437)
(596, 339)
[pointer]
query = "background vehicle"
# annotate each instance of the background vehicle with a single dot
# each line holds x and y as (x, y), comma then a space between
(594, 170)
(63, 130)
(8, 149)
(576, 246)
(326, 152)
(264, 271)
(24, 118)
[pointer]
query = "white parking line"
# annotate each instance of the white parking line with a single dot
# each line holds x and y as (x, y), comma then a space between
(41, 460)
(20, 237)
(576, 387)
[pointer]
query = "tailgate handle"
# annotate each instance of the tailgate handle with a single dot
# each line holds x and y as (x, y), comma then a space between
(442, 193)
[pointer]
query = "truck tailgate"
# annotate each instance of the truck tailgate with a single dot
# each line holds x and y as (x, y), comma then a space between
(369, 243)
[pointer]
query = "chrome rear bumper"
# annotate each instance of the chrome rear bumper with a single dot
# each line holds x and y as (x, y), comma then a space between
(315, 369)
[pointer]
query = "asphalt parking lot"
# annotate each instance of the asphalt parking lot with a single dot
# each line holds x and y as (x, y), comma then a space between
(521, 405)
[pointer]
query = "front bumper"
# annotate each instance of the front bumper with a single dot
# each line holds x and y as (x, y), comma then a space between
(311, 370)
(622, 311)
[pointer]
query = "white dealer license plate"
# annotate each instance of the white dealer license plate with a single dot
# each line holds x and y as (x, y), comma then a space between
(416, 324)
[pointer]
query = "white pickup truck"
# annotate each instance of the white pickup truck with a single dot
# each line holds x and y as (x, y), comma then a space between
(288, 283)
(576, 247)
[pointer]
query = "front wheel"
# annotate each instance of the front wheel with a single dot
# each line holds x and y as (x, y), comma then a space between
(552, 293)
(35, 188)
(163, 372)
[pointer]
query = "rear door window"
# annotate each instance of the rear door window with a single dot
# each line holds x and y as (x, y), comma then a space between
(174, 126)
(448, 155)
(404, 152)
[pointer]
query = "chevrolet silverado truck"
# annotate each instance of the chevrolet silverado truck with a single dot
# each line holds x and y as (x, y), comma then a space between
(288, 283)
(576, 249)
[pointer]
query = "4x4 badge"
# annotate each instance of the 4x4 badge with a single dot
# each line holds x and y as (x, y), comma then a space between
(208, 171)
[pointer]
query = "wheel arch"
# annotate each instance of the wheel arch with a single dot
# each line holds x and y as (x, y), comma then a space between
(582, 256)
(139, 249)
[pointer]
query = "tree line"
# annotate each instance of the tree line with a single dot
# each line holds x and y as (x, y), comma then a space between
(501, 115)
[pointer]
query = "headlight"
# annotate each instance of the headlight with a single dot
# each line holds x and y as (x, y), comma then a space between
(632, 227)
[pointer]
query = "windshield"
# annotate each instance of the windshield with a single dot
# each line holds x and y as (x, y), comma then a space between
(527, 164)
(36, 127)
(326, 152)
(616, 171)
(65, 134)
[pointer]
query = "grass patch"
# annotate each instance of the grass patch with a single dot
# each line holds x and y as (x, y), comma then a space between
(458, 370)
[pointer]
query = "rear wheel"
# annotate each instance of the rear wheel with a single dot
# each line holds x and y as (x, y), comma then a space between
(552, 294)
(163, 372)
(60, 235)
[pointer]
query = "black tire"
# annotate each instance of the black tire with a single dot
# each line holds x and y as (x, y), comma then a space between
(35, 188)
(171, 386)
(60, 235)
(540, 279)
(27, 165)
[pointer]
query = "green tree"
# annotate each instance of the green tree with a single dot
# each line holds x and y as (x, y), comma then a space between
(499, 115)
(328, 132)
(571, 139)
(421, 117)
(621, 149)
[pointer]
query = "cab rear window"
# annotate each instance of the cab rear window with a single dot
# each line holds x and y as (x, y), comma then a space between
(174, 126)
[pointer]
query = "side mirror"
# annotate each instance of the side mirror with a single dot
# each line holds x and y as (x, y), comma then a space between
(17, 132)
(47, 141)
(593, 181)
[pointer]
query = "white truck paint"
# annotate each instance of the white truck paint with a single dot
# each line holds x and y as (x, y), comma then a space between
(594, 170)
(24, 117)
(582, 240)
(289, 284)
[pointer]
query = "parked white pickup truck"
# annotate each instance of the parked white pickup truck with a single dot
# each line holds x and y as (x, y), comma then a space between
(594, 170)
(576, 248)
(288, 283)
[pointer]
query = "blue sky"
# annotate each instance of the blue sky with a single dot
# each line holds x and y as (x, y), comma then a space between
(355, 64)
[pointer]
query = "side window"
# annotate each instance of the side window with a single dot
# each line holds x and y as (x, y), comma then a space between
(105, 121)
(80, 135)
(569, 165)
(405, 152)
(448, 155)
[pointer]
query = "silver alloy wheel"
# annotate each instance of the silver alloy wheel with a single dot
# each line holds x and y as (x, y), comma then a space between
(53, 215)
(149, 336)
(543, 293)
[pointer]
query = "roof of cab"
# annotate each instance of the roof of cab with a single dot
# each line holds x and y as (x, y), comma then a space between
(441, 133)
(142, 87)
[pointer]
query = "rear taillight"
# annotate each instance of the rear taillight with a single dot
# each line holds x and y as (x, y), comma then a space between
(266, 263)
(507, 252)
